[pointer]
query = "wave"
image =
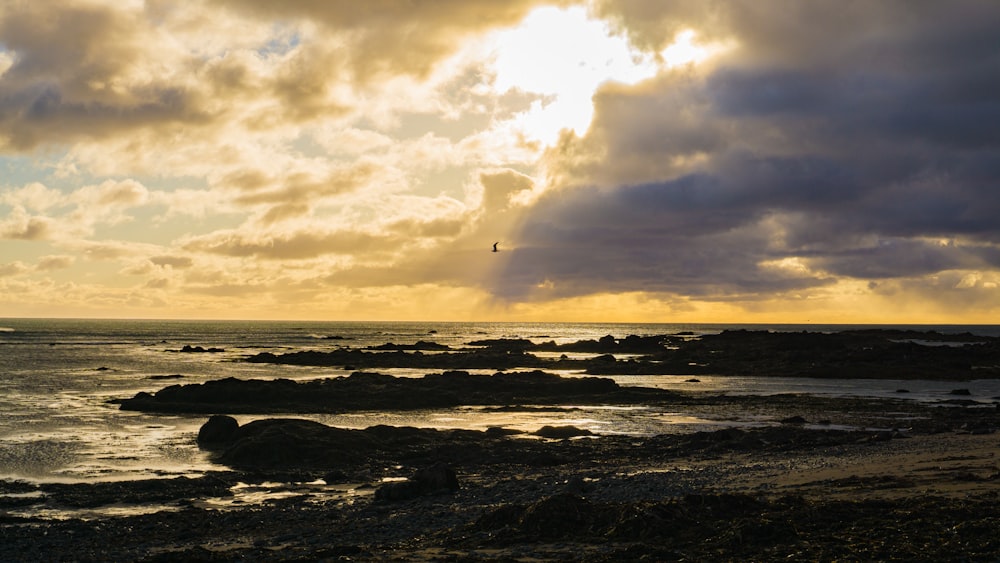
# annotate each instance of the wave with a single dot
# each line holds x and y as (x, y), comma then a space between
(6, 329)
(328, 337)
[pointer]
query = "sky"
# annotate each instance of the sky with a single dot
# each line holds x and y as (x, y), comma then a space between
(635, 160)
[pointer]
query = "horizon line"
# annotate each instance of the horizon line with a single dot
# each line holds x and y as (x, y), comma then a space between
(734, 323)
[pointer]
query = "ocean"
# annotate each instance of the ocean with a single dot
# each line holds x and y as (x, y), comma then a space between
(57, 377)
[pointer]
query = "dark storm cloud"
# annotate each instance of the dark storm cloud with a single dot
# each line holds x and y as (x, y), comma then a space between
(868, 153)
(695, 235)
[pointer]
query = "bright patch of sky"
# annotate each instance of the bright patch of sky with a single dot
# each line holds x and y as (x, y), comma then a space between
(6, 60)
(284, 40)
(563, 56)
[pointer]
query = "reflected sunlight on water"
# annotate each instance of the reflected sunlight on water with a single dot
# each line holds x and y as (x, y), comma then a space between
(58, 376)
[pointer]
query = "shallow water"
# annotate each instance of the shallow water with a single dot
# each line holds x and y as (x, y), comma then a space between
(57, 376)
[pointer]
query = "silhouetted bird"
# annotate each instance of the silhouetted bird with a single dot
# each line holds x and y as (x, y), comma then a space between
(495, 246)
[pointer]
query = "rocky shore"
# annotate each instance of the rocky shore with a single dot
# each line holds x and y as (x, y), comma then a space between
(874, 353)
(375, 391)
(832, 478)
(820, 478)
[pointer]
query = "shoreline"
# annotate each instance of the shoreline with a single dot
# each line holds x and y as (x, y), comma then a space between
(797, 489)
(853, 354)
(820, 478)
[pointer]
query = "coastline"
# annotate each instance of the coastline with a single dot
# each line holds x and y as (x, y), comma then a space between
(820, 478)
(786, 491)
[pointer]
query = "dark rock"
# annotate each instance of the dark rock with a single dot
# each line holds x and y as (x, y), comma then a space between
(336, 476)
(498, 431)
(902, 390)
(962, 392)
(562, 432)
(561, 515)
(793, 420)
(218, 431)
(577, 485)
(504, 343)
(374, 391)
(89, 495)
(188, 349)
(438, 478)
(295, 444)
(172, 376)
(419, 345)
(546, 459)
(288, 442)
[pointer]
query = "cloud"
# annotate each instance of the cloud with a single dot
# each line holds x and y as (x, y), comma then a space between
(500, 187)
(11, 269)
(297, 188)
(69, 216)
(854, 157)
(397, 37)
(107, 249)
(85, 71)
(35, 196)
(77, 73)
(19, 225)
(687, 236)
(296, 245)
(832, 153)
(178, 262)
(55, 262)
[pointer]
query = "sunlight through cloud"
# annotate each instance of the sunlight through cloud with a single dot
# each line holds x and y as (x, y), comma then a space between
(563, 56)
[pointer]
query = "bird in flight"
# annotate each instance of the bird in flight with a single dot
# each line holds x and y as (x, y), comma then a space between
(495, 246)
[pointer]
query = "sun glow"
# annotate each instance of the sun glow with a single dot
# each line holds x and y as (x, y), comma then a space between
(563, 56)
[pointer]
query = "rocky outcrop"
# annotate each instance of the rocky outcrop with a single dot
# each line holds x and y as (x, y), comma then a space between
(419, 345)
(436, 479)
(188, 349)
(218, 431)
(298, 444)
(562, 432)
(874, 353)
(371, 391)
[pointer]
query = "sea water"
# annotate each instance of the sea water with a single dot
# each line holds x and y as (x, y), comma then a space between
(57, 378)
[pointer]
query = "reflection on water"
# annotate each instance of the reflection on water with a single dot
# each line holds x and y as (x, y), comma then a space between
(57, 376)
(980, 390)
(313, 492)
(600, 419)
(240, 495)
(67, 437)
(97, 442)
(109, 510)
